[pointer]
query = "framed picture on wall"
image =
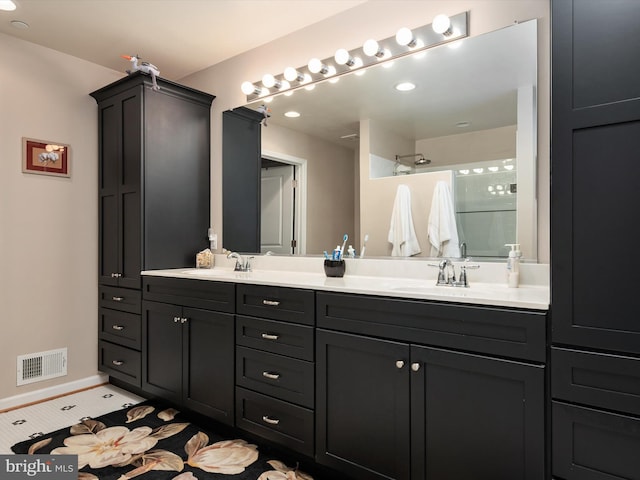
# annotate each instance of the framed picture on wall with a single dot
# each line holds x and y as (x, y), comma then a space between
(46, 158)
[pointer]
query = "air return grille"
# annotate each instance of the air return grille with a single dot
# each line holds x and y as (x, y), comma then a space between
(36, 367)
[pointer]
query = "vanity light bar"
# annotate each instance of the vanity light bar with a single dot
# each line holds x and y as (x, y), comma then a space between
(425, 37)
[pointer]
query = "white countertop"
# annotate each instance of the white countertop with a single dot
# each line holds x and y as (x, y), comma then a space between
(395, 278)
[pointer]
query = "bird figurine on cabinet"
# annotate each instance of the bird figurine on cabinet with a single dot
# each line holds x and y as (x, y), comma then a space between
(266, 113)
(144, 67)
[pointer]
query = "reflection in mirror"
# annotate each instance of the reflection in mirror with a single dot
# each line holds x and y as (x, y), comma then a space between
(356, 140)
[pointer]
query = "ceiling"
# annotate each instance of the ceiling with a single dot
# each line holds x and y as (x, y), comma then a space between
(180, 37)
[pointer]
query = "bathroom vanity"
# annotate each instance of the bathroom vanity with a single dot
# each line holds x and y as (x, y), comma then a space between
(407, 382)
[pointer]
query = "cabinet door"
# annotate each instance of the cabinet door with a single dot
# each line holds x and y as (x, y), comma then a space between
(162, 350)
(119, 180)
(595, 144)
(362, 405)
(208, 374)
(475, 417)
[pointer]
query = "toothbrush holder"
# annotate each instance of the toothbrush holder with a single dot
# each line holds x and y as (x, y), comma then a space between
(334, 268)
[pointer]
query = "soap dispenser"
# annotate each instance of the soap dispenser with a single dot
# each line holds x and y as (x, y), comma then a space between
(513, 265)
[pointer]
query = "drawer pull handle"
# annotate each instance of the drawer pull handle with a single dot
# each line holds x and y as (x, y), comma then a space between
(116, 275)
(271, 303)
(270, 336)
(117, 299)
(117, 327)
(269, 420)
(415, 367)
(117, 363)
(399, 364)
(271, 375)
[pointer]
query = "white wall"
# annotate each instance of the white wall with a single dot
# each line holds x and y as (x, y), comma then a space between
(378, 19)
(48, 225)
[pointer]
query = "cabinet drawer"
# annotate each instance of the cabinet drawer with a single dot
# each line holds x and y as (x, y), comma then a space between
(493, 330)
(123, 299)
(275, 337)
(279, 421)
(209, 295)
(281, 377)
(277, 303)
(598, 379)
(589, 444)
(120, 362)
(120, 327)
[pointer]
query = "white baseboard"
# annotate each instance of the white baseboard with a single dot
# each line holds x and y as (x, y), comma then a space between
(51, 392)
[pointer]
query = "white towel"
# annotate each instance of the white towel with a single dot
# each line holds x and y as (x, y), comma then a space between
(402, 235)
(442, 230)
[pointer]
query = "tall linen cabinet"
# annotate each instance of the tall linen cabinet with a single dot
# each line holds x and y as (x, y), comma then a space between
(154, 201)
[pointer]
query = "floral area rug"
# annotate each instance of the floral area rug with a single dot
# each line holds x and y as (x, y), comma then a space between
(151, 441)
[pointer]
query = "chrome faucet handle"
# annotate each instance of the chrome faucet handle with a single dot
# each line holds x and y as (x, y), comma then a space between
(443, 278)
(247, 263)
(463, 282)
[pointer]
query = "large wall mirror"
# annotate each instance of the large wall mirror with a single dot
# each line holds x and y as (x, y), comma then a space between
(337, 167)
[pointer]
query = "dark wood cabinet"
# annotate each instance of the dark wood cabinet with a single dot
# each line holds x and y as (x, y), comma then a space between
(387, 408)
(275, 369)
(363, 425)
(595, 171)
(153, 191)
(188, 353)
(153, 177)
(595, 140)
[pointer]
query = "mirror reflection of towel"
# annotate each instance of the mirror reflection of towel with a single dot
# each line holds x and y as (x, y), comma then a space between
(442, 230)
(402, 235)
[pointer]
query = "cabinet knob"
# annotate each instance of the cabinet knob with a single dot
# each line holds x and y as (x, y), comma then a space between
(271, 303)
(117, 327)
(269, 420)
(176, 319)
(184, 320)
(415, 366)
(116, 275)
(271, 375)
(270, 336)
(117, 299)
(399, 363)
(117, 363)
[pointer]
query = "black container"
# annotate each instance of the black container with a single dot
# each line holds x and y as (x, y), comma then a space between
(334, 268)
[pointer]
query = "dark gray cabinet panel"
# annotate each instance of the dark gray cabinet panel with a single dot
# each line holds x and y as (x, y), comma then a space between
(591, 444)
(362, 406)
(598, 379)
(217, 296)
(120, 362)
(241, 151)
(286, 304)
(276, 337)
(595, 172)
(487, 411)
(492, 330)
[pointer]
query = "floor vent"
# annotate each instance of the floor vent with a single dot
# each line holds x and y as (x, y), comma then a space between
(36, 367)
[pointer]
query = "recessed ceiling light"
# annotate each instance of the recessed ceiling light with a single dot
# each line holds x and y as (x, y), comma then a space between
(7, 5)
(292, 114)
(19, 24)
(405, 86)
(464, 124)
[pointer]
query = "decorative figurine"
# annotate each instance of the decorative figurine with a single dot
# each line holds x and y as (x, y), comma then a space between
(144, 67)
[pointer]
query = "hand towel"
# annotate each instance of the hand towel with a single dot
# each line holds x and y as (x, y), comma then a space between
(442, 230)
(402, 235)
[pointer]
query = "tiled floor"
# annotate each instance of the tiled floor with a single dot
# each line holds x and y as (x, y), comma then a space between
(41, 418)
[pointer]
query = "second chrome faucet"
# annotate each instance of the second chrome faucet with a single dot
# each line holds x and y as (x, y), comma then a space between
(447, 273)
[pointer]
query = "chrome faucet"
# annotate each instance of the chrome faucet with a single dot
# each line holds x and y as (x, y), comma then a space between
(242, 264)
(447, 273)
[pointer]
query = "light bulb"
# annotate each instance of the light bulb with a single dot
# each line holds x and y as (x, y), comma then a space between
(405, 37)
(442, 24)
(249, 88)
(292, 75)
(371, 48)
(7, 5)
(268, 80)
(316, 66)
(331, 71)
(342, 57)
